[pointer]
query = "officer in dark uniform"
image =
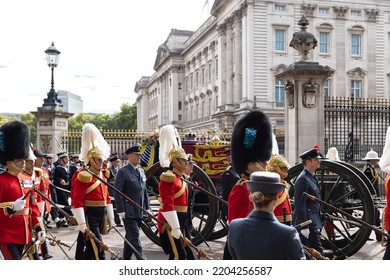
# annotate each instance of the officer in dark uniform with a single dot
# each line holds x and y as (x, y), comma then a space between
(305, 208)
(260, 236)
(114, 168)
(61, 179)
(229, 178)
(372, 160)
(131, 181)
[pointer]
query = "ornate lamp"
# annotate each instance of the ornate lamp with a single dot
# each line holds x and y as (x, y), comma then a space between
(52, 57)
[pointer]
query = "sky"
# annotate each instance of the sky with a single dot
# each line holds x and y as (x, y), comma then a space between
(106, 47)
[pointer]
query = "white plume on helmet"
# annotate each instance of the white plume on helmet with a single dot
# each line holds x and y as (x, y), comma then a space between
(384, 162)
(92, 138)
(168, 139)
(275, 148)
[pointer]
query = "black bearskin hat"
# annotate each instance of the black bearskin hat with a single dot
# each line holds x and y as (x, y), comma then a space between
(251, 140)
(14, 141)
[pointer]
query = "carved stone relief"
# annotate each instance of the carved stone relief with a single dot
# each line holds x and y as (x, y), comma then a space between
(290, 94)
(309, 94)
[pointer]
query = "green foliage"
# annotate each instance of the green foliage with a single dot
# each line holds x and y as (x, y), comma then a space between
(126, 119)
(3, 120)
(31, 121)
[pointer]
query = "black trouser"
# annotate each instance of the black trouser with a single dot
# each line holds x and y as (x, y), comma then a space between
(166, 244)
(11, 251)
(95, 222)
(132, 227)
(314, 240)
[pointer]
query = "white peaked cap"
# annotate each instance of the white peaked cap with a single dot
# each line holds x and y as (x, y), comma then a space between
(384, 162)
(168, 139)
(275, 148)
(92, 138)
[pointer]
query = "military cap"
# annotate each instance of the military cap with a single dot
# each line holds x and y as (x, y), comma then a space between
(38, 153)
(113, 158)
(63, 155)
(48, 156)
(265, 182)
(135, 149)
(312, 153)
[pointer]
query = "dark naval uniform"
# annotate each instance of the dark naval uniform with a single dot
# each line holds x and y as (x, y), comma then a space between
(265, 239)
(307, 209)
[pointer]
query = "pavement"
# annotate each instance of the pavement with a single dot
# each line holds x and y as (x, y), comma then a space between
(372, 250)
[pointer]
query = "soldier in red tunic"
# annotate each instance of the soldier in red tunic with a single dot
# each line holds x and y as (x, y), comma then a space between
(19, 216)
(283, 212)
(173, 193)
(251, 147)
(90, 197)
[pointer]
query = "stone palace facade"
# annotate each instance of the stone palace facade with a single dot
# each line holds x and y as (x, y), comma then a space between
(209, 78)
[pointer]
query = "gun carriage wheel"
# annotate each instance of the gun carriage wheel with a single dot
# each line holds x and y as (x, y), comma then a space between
(205, 211)
(347, 188)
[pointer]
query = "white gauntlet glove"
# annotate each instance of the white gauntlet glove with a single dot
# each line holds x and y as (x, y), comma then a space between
(305, 232)
(41, 235)
(110, 215)
(122, 215)
(78, 213)
(18, 204)
(173, 222)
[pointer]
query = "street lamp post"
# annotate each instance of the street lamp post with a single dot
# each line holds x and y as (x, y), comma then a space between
(52, 57)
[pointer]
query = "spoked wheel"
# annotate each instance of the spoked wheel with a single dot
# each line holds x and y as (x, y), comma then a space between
(205, 211)
(344, 188)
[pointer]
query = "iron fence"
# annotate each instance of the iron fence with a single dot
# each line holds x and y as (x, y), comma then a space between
(355, 125)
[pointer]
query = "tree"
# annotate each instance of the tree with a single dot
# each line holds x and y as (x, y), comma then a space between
(31, 121)
(126, 119)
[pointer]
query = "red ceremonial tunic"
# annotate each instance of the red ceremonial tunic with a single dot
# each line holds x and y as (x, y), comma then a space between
(239, 204)
(283, 202)
(16, 228)
(84, 194)
(172, 197)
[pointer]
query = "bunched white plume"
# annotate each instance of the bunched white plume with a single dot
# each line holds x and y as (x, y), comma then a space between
(168, 139)
(92, 138)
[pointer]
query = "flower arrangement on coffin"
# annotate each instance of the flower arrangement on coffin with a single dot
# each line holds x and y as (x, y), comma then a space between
(151, 139)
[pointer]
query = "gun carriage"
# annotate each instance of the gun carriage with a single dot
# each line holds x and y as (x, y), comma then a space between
(342, 185)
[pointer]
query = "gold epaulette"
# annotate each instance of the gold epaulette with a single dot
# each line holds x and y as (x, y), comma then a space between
(168, 177)
(107, 173)
(241, 181)
(84, 176)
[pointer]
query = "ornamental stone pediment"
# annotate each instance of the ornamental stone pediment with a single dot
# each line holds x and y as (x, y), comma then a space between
(357, 73)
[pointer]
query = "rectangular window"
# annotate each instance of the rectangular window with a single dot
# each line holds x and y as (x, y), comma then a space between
(326, 88)
(356, 88)
(324, 42)
(209, 72)
(179, 106)
(280, 8)
(202, 76)
(323, 11)
(355, 44)
(197, 80)
(356, 13)
(280, 36)
(279, 91)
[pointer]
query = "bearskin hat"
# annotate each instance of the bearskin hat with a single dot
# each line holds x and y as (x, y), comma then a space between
(14, 141)
(251, 140)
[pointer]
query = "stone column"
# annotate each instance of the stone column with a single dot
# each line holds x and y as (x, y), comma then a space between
(229, 62)
(52, 123)
(304, 110)
(237, 92)
(222, 63)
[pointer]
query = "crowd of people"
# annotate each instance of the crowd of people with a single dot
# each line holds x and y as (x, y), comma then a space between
(92, 190)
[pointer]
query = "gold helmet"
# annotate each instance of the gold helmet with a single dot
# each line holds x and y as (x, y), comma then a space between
(176, 153)
(276, 164)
